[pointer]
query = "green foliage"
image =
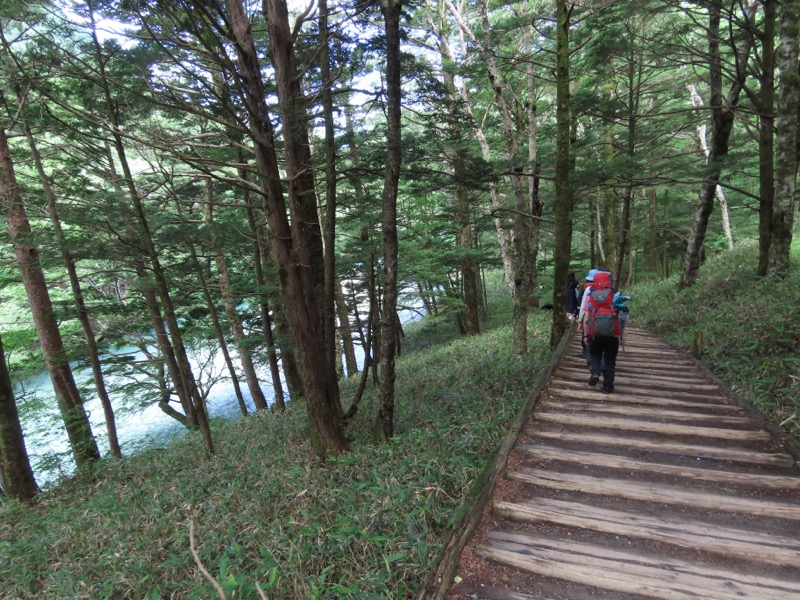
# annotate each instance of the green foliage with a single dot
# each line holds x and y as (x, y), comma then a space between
(363, 525)
(750, 327)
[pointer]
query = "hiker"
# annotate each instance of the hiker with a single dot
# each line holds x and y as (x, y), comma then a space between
(572, 296)
(601, 331)
(583, 293)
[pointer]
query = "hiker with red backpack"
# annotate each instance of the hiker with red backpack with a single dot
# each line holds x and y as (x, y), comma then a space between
(601, 330)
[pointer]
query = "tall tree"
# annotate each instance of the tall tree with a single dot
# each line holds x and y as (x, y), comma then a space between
(384, 424)
(723, 111)
(78, 296)
(15, 467)
(79, 431)
(293, 241)
(787, 142)
(564, 203)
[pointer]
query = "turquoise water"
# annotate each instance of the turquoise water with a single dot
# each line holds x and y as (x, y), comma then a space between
(138, 427)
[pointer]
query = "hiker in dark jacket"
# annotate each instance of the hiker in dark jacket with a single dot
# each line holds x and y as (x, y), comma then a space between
(572, 296)
(603, 348)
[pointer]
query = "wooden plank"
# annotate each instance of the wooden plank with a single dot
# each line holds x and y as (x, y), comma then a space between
(686, 394)
(623, 572)
(571, 373)
(690, 450)
(613, 461)
(635, 425)
(667, 363)
(653, 492)
(491, 592)
(648, 412)
(694, 535)
(625, 398)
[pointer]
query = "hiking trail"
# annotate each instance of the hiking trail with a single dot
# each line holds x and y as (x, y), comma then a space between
(666, 488)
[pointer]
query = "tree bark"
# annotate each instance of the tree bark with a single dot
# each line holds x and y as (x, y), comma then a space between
(229, 301)
(263, 301)
(787, 142)
(722, 114)
(296, 246)
(766, 137)
(80, 304)
(331, 281)
(563, 202)
(384, 424)
(15, 467)
(79, 431)
(185, 375)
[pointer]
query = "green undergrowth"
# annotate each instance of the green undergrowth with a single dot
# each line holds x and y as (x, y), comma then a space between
(264, 513)
(750, 328)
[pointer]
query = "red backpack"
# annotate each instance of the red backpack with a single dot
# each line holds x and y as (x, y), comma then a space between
(603, 318)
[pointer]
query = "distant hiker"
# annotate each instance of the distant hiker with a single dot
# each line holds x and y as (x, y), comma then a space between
(572, 296)
(601, 331)
(583, 293)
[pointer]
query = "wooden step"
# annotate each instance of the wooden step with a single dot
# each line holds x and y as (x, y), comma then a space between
(690, 534)
(613, 461)
(632, 398)
(635, 425)
(664, 446)
(655, 492)
(623, 572)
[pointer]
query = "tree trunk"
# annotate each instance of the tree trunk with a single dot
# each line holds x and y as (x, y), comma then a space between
(345, 331)
(331, 281)
(296, 246)
(79, 431)
(607, 226)
(787, 142)
(652, 247)
(162, 288)
(384, 424)
(563, 200)
(766, 137)
(464, 237)
(228, 299)
(535, 204)
(80, 304)
(521, 257)
(212, 311)
(702, 142)
(263, 302)
(17, 475)
(722, 114)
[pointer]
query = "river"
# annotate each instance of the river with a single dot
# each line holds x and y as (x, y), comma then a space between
(138, 427)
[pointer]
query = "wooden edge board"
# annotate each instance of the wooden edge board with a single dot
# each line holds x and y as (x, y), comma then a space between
(440, 576)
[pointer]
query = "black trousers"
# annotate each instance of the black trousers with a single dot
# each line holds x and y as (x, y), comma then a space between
(603, 358)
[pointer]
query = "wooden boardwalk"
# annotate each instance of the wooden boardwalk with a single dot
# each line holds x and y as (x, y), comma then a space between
(664, 489)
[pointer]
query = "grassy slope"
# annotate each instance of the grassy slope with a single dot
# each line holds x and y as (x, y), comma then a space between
(366, 525)
(750, 327)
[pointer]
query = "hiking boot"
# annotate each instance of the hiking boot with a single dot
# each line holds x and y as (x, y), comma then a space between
(594, 378)
(607, 390)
